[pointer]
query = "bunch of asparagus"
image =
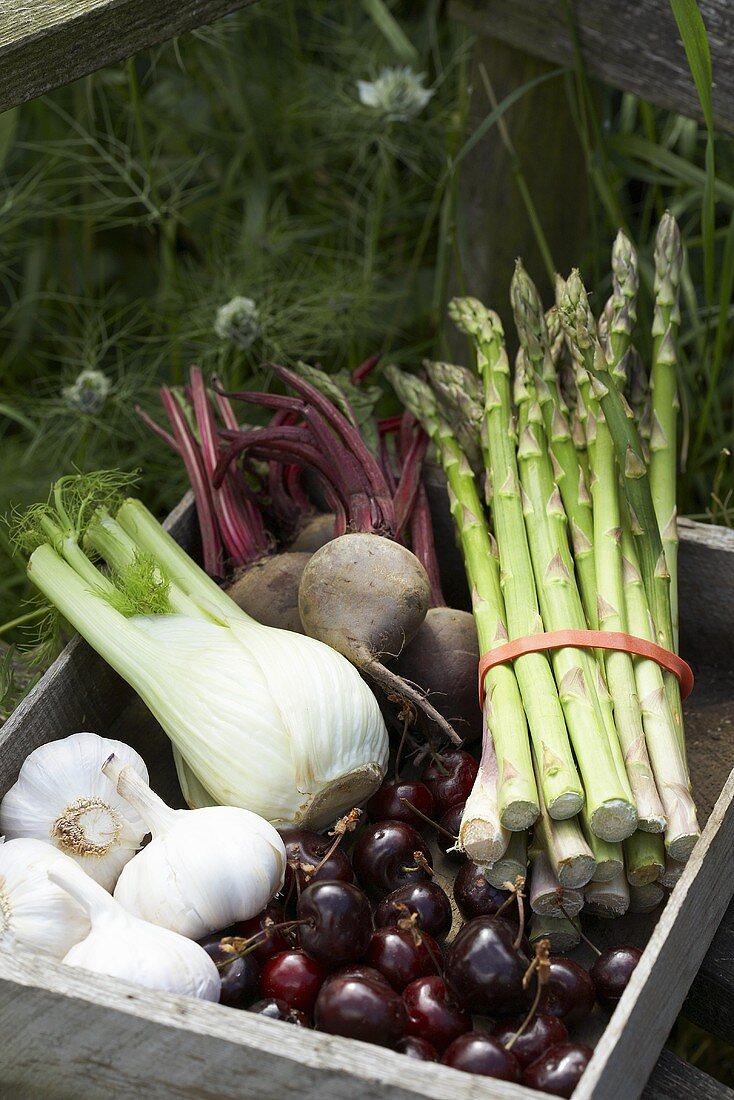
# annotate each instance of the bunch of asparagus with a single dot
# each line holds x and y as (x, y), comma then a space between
(571, 523)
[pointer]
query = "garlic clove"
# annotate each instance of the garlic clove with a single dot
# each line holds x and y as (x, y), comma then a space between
(121, 945)
(62, 797)
(204, 869)
(35, 914)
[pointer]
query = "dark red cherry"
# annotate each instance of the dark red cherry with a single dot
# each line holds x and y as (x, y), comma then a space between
(293, 977)
(478, 1052)
(279, 1010)
(432, 1015)
(340, 922)
(569, 992)
(450, 778)
(359, 971)
(474, 894)
(308, 849)
(402, 955)
(559, 1070)
(427, 899)
(612, 971)
(384, 857)
(387, 803)
(417, 1048)
(240, 974)
(450, 823)
(271, 943)
(484, 971)
(359, 1009)
(542, 1032)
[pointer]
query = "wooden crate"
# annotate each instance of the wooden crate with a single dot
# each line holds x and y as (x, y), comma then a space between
(76, 1034)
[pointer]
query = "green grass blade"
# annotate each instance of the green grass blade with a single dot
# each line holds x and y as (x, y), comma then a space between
(394, 34)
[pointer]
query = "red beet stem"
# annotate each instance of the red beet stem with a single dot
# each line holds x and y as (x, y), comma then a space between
(410, 477)
(366, 367)
(211, 542)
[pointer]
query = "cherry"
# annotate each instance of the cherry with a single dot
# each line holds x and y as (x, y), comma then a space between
(432, 1015)
(484, 970)
(477, 1052)
(240, 974)
(272, 943)
(569, 992)
(384, 857)
(542, 1032)
(427, 899)
(340, 922)
(559, 1070)
(387, 803)
(403, 955)
(450, 824)
(305, 848)
(360, 1009)
(612, 971)
(474, 895)
(417, 1048)
(279, 1010)
(450, 778)
(359, 970)
(294, 978)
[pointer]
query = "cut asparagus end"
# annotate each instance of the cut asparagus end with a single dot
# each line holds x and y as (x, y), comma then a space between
(643, 899)
(644, 856)
(547, 896)
(673, 871)
(608, 899)
(565, 805)
(513, 863)
(614, 820)
(563, 934)
(680, 847)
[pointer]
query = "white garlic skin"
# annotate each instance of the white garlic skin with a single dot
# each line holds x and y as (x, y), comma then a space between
(122, 946)
(210, 868)
(62, 797)
(36, 915)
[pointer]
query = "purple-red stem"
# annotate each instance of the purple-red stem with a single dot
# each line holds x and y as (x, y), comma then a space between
(211, 542)
(410, 477)
(366, 368)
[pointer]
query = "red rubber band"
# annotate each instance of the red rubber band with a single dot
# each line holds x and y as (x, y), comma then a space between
(588, 639)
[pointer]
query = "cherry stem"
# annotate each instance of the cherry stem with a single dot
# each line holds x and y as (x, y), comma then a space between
(344, 825)
(255, 940)
(541, 964)
(406, 723)
(430, 820)
(585, 939)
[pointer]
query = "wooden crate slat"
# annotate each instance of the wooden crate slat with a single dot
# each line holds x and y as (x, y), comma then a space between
(674, 1079)
(710, 1002)
(633, 45)
(44, 45)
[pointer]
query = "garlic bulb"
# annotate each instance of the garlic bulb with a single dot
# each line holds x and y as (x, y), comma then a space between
(204, 869)
(61, 796)
(34, 914)
(124, 946)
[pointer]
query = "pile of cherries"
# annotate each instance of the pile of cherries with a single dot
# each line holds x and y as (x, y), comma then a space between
(370, 961)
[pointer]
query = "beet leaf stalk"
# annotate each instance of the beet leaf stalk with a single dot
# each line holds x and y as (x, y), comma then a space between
(516, 792)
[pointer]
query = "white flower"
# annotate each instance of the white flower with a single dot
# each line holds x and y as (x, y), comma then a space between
(398, 94)
(88, 392)
(238, 321)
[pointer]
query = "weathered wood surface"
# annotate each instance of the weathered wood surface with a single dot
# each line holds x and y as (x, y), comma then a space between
(633, 45)
(76, 1034)
(494, 227)
(674, 1079)
(710, 1001)
(44, 45)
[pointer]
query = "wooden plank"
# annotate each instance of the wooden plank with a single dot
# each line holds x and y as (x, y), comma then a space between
(674, 1079)
(710, 1001)
(43, 45)
(546, 145)
(631, 44)
(626, 1052)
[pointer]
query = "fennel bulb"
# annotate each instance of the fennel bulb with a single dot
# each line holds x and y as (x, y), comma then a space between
(269, 720)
